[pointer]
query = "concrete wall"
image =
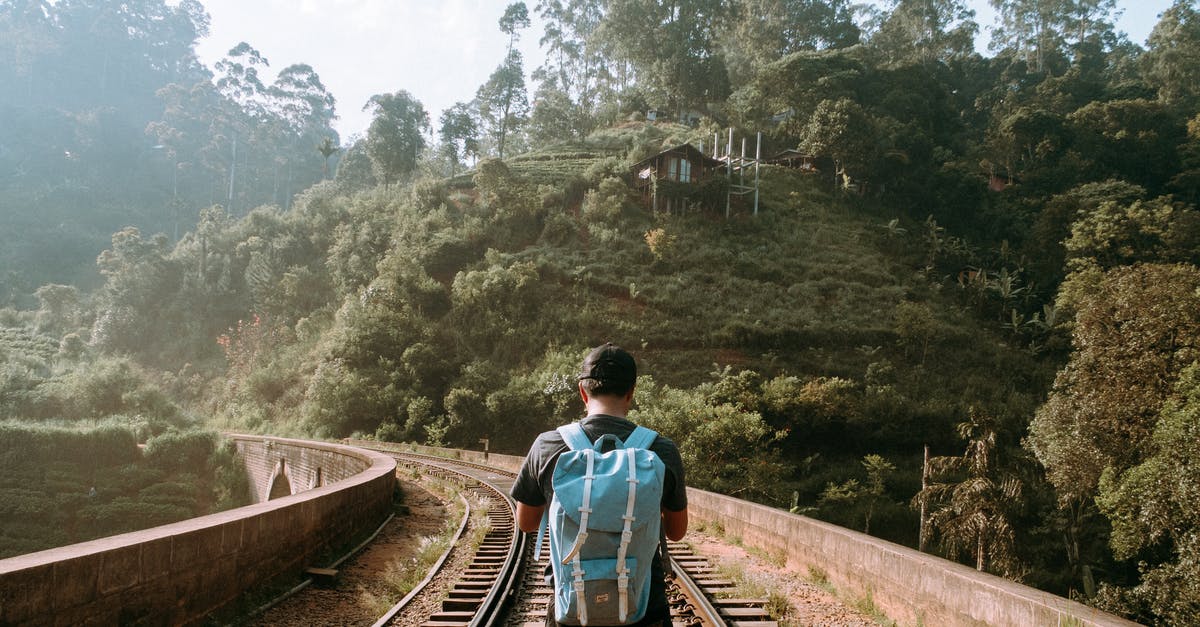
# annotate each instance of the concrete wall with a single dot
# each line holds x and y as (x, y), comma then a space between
(176, 574)
(908, 586)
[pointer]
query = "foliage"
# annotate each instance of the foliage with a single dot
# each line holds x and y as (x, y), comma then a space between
(1153, 506)
(974, 515)
(862, 498)
(396, 136)
(65, 484)
(503, 104)
(722, 444)
(1137, 327)
(1170, 62)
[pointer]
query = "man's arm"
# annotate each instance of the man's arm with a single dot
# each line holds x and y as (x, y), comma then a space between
(675, 523)
(529, 517)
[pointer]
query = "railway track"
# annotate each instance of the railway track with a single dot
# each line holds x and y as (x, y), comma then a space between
(501, 581)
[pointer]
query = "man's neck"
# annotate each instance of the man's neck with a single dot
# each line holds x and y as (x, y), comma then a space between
(607, 405)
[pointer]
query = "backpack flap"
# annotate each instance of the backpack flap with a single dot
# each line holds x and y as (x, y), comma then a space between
(608, 485)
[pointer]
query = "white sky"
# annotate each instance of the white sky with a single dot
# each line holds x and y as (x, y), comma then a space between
(440, 51)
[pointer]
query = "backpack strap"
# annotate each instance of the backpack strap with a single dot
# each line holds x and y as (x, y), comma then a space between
(574, 437)
(545, 524)
(641, 438)
(573, 556)
(626, 535)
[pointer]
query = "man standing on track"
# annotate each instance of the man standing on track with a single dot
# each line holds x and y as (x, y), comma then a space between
(606, 384)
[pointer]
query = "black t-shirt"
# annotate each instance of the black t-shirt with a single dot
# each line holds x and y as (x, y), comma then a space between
(533, 485)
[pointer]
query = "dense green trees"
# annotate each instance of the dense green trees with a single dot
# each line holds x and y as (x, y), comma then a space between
(925, 31)
(1153, 509)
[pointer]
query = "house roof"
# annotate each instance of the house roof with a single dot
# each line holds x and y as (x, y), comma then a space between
(693, 155)
(790, 153)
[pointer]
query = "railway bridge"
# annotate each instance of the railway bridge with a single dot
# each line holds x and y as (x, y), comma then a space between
(314, 495)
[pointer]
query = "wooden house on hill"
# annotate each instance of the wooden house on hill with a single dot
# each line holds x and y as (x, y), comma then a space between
(793, 158)
(679, 178)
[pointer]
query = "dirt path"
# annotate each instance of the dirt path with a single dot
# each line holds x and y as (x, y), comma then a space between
(808, 603)
(345, 603)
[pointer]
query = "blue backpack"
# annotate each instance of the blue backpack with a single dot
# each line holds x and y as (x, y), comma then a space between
(604, 522)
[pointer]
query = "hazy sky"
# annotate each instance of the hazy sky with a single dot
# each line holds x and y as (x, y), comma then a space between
(440, 51)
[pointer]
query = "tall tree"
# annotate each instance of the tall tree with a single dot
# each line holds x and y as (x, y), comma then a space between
(766, 30)
(396, 136)
(674, 47)
(974, 515)
(1135, 330)
(515, 18)
(924, 31)
(1172, 61)
(1153, 507)
(845, 131)
(1042, 32)
(458, 134)
(502, 102)
(238, 81)
(305, 111)
(576, 65)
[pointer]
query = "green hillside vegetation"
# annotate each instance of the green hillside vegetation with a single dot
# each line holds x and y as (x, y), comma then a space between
(65, 482)
(71, 466)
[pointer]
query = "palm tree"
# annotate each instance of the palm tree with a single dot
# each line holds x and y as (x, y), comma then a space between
(972, 515)
(327, 148)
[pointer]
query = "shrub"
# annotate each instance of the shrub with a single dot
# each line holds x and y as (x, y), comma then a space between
(181, 451)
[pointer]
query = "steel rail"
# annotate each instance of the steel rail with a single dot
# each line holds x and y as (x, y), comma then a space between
(706, 614)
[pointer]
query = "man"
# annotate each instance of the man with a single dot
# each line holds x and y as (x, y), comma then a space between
(606, 384)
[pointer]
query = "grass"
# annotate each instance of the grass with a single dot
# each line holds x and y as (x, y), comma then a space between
(866, 605)
(757, 586)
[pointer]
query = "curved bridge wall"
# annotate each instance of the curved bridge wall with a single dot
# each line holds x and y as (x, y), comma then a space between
(176, 574)
(908, 586)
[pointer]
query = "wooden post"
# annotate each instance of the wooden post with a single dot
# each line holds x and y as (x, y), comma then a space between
(923, 533)
(728, 171)
(757, 159)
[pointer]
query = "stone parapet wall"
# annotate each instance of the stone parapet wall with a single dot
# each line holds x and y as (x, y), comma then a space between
(506, 462)
(178, 573)
(908, 586)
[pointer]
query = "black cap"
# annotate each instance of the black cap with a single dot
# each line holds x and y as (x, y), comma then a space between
(609, 362)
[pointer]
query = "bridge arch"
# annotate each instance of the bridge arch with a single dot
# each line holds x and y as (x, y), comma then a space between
(280, 485)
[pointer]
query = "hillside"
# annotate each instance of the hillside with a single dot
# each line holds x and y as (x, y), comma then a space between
(815, 328)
